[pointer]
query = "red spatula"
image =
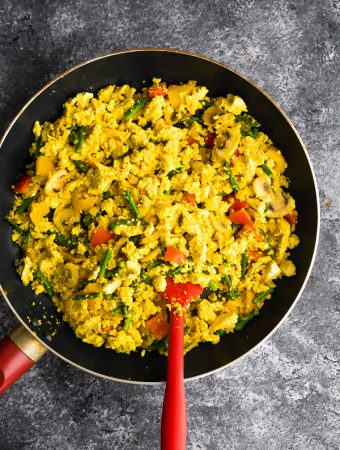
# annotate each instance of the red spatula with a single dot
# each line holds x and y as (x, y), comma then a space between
(174, 417)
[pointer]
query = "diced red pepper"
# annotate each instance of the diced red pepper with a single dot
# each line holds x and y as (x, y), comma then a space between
(192, 140)
(172, 254)
(238, 204)
(210, 139)
(236, 153)
(251, 229)
(154, 92)
(21, 187)
(101, 236)
(291, 218)
(158, 326)
(190, 198)
(183, 293)
(240, 217)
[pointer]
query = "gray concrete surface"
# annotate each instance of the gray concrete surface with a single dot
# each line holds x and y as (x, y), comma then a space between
(286, 394)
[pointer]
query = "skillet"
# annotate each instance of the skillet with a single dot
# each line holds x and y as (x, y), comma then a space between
(41, 326)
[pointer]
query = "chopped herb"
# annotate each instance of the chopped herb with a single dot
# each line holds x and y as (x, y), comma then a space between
(117, 311)
(244, 264)
(175, 172)
(14, 225)
(262, 295)
(86, 219)
(24, 205)
(212, 285)
(249, 125)
(61, 239)
(107, 194)
(162, 246)
(270, 248)
(252, 133)
(105, 262)
(266, 170)
(232, 180)
(156, 263)
(129, 222)
(129, 199)
(135, 108)
(169, 192)
(206, 104)
(146, 278)
(38, 144)
(245, 319)
(175, 271)
(86, 296)
(78, 135)
(191, 120)
(18, 262)
(44, 281)
(80, 165)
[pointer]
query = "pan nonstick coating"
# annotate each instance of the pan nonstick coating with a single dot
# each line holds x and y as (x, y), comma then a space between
(137, 68)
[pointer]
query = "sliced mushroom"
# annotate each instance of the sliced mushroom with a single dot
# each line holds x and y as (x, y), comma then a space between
(262, 188)
(226, 145)
(57, 181)
(210, 113)
(280, 206)
(65, 217)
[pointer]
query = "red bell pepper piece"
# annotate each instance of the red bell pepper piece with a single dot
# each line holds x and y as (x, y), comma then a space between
(240, 217)
(21, 187)
(154, 92)
(238, 204)
(172, 254)
(182, 293)
(190, 198)
(100, 237)
(291, 218)
(158, 326)
(210, 139)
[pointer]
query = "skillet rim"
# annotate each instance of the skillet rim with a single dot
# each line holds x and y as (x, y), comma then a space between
(224, 66)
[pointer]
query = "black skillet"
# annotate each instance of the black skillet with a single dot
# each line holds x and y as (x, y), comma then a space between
(38, 314)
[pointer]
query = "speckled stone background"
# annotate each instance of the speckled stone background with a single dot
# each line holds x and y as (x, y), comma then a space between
(285, 395)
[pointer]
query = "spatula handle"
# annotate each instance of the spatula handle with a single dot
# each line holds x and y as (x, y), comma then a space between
(174, 416)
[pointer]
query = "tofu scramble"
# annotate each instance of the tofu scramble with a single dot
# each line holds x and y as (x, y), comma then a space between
(130, 195)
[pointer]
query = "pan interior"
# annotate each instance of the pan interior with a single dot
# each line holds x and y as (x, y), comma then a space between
(137, 68)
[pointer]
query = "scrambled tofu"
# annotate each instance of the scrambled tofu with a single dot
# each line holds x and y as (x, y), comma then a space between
(127, 190)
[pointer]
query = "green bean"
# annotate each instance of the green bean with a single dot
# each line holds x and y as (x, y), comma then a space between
(146, 278)
(245, 319)
(234, 293)
(24, 205)
(27, 237)
(244, 264)
(77, 136)
(135, 108)
(267, 170)
(156, 263)
(44, 281)
(220, 333)
(128, 197)
(117, 311)
(127, 318)
(86, 296)
(270, 248)
(105, 262)
(232, 180)
(80, 165)
(129, 222)
(14, 225)
(86, 220)
(262, 295)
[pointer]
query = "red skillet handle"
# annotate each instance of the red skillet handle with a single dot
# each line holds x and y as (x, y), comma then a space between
(174, 417)
(18, 353)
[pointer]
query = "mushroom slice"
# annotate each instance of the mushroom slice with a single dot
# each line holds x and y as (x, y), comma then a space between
(280, 206)
(262, 188)
(210, 113)
(57, 181)
(226, 145)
